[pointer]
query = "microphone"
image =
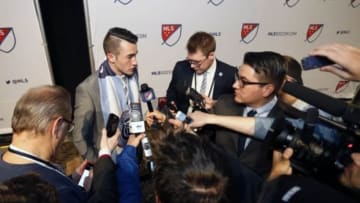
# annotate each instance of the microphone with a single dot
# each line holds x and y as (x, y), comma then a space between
(312, 115)
(137, 126)
(136, 123)
(329, 104)
(147, 95)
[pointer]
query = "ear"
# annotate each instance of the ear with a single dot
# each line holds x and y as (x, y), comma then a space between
(211, 55)
(111, 57)
(56, 129)
(268, 90)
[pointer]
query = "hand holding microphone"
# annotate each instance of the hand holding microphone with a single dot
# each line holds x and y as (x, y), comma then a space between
(147, 95)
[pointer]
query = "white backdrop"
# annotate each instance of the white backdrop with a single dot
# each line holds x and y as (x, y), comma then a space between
(23, 57)
(291, 27)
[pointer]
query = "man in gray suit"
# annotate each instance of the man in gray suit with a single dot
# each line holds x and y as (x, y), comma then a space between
(111, 89)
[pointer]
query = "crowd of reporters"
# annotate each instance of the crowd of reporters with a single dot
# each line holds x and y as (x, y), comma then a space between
(188, 166)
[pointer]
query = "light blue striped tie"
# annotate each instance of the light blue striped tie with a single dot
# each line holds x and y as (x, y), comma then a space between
(126, 90)
(203, 84)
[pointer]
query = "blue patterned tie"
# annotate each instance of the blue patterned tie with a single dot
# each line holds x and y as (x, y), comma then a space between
(242, 139)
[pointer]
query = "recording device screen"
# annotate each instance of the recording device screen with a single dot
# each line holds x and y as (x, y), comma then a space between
(313, 62)
(112, 124)
(85, 174)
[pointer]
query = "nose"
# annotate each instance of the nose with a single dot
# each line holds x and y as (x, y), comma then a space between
(134, 61)
(236, 84)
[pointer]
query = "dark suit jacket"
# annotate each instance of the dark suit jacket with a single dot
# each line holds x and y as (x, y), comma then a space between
(258, 154)
(182, 78)
(104, 185)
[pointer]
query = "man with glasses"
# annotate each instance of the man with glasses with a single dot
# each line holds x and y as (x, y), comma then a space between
(257, 83)
(201, 71)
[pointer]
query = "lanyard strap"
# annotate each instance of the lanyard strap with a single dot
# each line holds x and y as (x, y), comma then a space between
(36, 160)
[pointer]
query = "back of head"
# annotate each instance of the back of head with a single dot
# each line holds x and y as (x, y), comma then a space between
(113, 38)
(29, 188)
(185, 172)
(201, 41)
(39, 106)
(269, 65)
(293, 69)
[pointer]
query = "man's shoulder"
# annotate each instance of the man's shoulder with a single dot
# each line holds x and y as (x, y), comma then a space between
(89, 81)
(226, 66)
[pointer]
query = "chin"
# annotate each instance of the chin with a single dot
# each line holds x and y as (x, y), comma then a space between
(238, 100)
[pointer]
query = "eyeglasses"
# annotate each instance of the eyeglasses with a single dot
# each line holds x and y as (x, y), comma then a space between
(196, 63)
(243, 82)
(71, 125)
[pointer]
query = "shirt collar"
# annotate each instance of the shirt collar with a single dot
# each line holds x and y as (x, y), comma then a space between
(264, 110)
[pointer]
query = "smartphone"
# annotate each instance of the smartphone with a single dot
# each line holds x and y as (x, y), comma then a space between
(112, 124)
(313, 62)
(183, 117)
(85, 174)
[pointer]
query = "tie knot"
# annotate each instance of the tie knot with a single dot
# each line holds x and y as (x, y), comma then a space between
(251, 113)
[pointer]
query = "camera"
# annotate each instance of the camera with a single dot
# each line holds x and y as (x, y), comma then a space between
(313, 156)
(197, 99)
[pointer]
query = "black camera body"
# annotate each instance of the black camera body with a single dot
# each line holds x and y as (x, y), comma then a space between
(314, 157)
(197, 99)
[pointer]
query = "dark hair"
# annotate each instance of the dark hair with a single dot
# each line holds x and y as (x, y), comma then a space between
(29, 188)
(293, 69)
(269, 65)
(113, 38)
(185, 172)
(201, 41)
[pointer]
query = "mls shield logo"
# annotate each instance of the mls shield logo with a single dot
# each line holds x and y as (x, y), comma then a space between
(215, 2)
(249, 32)
(171, 33)
(341, 86)
(291, 3)
(7, 39)
(124, 2)
(354, 3)
(313, 32)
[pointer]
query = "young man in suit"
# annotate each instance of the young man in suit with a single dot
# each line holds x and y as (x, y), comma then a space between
(258, 80)
(202, 71)
(111, 89)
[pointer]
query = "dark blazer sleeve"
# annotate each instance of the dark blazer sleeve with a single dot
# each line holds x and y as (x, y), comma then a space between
(180, 81)
(104, 186)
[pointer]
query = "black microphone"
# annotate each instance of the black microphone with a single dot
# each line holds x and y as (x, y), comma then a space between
(147, 95)
(329, 104)
(312, 115)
